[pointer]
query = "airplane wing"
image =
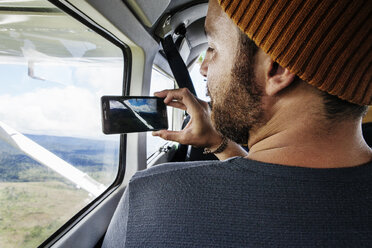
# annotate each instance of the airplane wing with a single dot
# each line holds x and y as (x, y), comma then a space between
(138, 116)
(49, 159)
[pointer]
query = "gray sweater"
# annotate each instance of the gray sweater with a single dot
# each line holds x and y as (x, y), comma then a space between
(244, 203)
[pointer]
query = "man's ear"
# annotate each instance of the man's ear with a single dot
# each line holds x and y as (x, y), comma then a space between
(278, 79)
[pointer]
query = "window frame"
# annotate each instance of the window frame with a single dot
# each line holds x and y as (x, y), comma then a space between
(127, 56)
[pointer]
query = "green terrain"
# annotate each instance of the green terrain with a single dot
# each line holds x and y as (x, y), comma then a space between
(34, 200)
(31, 211)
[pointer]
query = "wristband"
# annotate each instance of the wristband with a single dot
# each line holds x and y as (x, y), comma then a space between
(220, 148)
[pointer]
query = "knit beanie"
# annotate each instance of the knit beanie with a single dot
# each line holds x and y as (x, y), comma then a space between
(327, 43)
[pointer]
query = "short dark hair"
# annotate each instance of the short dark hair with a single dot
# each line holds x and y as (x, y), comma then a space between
(338, 109)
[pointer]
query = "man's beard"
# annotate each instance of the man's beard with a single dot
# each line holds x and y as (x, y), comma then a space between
(241, 108)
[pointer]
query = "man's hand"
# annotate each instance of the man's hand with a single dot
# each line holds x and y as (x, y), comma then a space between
(199, 131)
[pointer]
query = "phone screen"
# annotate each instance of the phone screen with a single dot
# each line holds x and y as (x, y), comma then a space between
(133, 114)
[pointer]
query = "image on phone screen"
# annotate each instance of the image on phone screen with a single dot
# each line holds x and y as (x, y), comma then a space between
(135, 114)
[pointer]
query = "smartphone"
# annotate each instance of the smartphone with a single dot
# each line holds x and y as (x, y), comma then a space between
(130, 114)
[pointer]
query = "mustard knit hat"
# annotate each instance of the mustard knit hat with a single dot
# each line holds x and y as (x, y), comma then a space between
(327, 43)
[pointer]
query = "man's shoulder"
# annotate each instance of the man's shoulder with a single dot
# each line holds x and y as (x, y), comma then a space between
(238, 166)
(180, 167)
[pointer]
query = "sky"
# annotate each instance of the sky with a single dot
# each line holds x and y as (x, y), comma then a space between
(142, 105)
(67, 103)
(63, 99)
(53, 72)
(138, 105)
(49, 87)
(50, 95)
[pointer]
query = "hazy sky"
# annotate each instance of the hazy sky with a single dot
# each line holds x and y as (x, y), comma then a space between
(64, 98)
(67, 103)
(143, 105)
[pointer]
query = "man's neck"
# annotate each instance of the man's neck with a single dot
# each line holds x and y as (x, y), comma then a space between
(306, 143)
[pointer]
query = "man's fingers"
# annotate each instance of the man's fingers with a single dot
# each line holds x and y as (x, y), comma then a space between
(177, 105)
(181, 95)
(183, 99)
(170, 99)
(161, 94)
(168, 135)
(169, 95)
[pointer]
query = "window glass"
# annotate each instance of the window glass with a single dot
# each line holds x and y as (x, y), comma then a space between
(159, 81)
(54, 158)
(199, 81)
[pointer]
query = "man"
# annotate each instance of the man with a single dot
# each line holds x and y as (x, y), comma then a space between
(292, 79)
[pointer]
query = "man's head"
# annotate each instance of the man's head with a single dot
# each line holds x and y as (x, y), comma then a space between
(246, 84)
(229, 62)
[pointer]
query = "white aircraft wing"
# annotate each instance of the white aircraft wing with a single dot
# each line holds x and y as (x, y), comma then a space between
(49, 159)
(138, 116)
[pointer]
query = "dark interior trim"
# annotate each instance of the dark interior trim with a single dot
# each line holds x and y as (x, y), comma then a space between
(30, 9)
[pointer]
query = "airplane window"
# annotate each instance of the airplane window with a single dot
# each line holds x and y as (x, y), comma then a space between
(159, 81)
(200, 82)
(54, 158)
